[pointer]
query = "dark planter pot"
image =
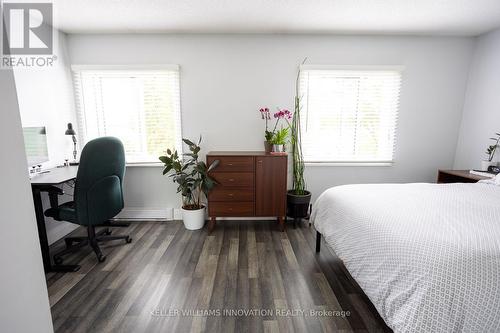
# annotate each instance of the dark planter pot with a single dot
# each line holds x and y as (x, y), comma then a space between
(297, 206)
(268, 147)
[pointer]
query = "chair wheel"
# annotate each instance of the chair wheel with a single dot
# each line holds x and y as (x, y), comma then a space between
(101, 258)
(128, 240)
(68, 242)
(58, 260)
(108, 232)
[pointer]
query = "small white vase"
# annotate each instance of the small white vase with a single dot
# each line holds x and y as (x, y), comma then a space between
(278, 148)
(193, 219)
(486, 164)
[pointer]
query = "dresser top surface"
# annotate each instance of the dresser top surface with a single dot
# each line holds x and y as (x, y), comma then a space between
(463, 173)
(242, 153)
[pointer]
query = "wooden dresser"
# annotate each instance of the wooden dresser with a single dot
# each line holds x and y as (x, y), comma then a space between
(251, 184)
(457, 176)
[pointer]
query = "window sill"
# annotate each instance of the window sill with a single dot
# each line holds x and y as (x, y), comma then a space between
(145, 165)
(349, 164)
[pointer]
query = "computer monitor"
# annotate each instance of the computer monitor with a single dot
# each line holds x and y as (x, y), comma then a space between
(35, 145)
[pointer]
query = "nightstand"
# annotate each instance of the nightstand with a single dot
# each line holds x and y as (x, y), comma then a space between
(457, 176)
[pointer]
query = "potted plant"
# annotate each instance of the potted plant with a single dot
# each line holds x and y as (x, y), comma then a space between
(490, 152)
(276, 140)
(268, 135)
(191, 176)
(298, 198)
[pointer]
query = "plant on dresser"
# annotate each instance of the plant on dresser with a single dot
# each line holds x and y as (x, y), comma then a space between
(490, 152)
(298, 198)
(276, 139)
(193, 182)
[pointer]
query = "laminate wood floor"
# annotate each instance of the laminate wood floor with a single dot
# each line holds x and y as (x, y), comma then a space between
(244, 277)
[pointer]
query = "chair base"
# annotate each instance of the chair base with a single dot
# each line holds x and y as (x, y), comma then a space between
(93, 239)
(114, 224)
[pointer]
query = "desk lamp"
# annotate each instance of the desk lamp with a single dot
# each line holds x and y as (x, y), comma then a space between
(71, 131)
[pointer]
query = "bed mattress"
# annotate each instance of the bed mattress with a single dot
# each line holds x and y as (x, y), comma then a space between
(427, 255)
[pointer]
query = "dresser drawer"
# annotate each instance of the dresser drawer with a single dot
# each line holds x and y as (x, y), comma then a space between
(234, 179)
(232, 163)
(231, 208)
(220, 193)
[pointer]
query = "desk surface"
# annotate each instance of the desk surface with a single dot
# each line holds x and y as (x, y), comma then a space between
(55, 176)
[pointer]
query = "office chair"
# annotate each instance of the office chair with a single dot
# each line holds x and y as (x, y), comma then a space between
(98, 196)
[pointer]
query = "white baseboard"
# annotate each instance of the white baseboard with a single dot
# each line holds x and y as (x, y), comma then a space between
(178, 216)
(250, 218)
(169, 214)
(131, 213)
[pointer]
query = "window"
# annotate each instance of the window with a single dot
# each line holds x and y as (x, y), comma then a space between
(349, 115)
(139, 106)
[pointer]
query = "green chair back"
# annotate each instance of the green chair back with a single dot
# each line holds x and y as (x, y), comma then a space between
(98, 191)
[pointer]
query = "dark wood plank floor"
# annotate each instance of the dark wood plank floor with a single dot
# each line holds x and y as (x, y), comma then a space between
(174, 280)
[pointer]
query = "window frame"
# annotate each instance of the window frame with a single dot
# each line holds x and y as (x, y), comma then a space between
(131, 67)
(397, 68)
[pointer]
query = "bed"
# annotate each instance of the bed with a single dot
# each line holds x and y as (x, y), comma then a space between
(426, 255)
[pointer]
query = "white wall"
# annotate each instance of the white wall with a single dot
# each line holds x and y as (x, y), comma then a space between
(24, 303)
(46, 99)
(481, 115)
(226, 78)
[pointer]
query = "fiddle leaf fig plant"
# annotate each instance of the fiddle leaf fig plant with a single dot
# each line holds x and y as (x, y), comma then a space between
(190, 174)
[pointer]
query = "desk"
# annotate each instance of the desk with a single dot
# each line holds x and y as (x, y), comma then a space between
(40, 183)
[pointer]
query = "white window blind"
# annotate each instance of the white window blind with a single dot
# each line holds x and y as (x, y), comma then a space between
(141, 107)
(349, 115)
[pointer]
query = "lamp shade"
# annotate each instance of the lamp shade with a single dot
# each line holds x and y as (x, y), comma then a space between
(70, 130)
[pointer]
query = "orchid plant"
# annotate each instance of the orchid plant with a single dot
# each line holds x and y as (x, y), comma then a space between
(277, 136)
(266, 115)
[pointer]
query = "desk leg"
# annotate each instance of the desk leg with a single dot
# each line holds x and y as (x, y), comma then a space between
(42, 235)
(42, 232)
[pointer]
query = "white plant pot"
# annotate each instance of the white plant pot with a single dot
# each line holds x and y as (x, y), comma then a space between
(278, 148)
(486, 164)
(193, 219)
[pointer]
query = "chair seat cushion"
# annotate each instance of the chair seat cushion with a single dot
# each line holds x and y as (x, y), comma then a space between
(65, 212)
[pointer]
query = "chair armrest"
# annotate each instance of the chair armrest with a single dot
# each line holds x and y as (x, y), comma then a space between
(52, 189)
(53, 192)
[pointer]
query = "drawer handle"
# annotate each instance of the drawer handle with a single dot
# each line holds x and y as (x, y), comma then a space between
(230, 209)
(230, 164)
(230, 195)
(260, 161)
(231, 179)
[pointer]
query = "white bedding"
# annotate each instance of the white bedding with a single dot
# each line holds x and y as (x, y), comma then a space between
(427, 255)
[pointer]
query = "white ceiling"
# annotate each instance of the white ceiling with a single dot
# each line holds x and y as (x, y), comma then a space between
(415, 17)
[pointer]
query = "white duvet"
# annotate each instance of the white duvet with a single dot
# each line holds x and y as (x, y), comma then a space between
(427, 255)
